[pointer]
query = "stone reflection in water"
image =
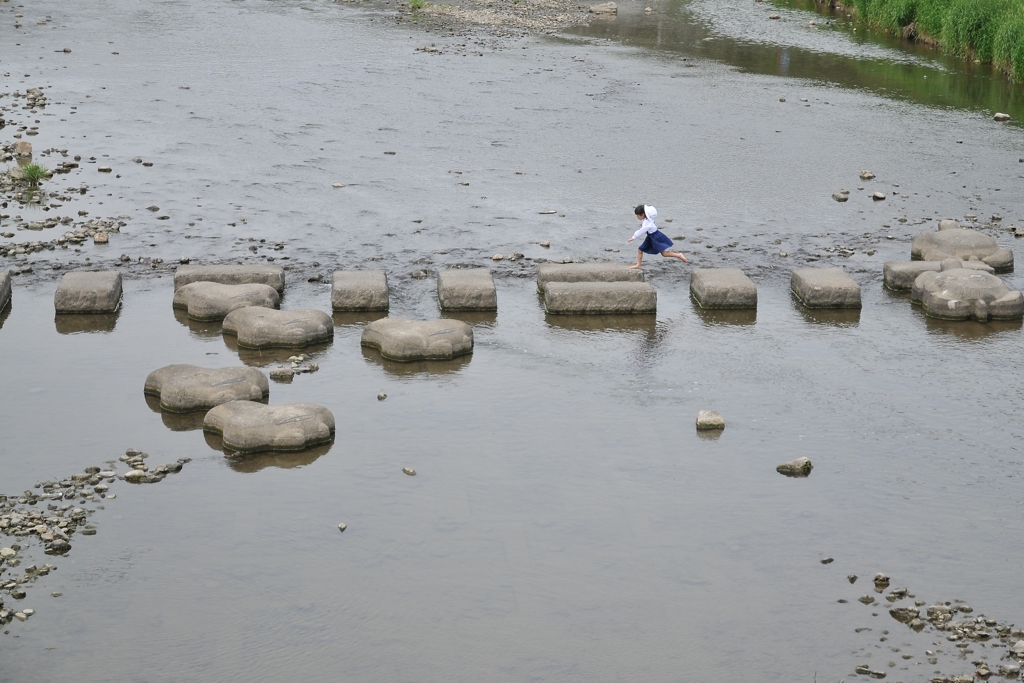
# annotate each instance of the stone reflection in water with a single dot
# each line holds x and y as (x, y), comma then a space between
(722, 317)
(648, 324)
(967, 330)
(198, 329)
(421, 367)
(176, 422)
(836, 317)
(356, 318)
(5, 313)
(264, 357)
(254, 462)
(74, 323)
(481, 319)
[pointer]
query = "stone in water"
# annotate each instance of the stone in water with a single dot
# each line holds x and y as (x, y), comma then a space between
(825, 288)
(962, 244)
(957, 293)
(5, 289)
(88, 292)
(262, 328)
(406, 340)
(186, 388)
(466, 290)
(725, 288)
(709, 419)
(801, 467)
(250, 427)
(586, 272)
(231, 275)
(209, 301)
(360, 290)
(600, 298)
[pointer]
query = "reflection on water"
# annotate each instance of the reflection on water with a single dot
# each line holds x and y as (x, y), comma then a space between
(646, 323)
(710, 434)
(356, 318)
(483, 319)
(254, 462)
(73, 323)
(197, 328)
(712, 317)
(5, 312)
(264, 357)
(176, 422)
(836, 317)
(428, 367)
(967, 330)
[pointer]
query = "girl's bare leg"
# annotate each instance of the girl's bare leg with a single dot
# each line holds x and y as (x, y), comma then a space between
(639, 259)
(674, 254)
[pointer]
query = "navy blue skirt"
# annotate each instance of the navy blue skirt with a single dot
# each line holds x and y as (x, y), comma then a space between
(655, 243)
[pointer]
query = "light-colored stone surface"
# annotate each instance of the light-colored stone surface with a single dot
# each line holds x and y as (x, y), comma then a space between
(722, 288)
(586, 272)
(710, 419)
(212, 301)
(185, 388)
(599, 298)
(825, 288)
(260, 328)
(470, 289)
(899, 276)
(800, 467)
(957, 293)
(88, 292)
(962, 244)
(948, 224)
(231, 275)
(5, 289)
(412, 340)
(360, 290)
(250, 427)
(604, 8)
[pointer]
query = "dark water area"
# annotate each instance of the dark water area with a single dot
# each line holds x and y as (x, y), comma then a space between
(566, 521)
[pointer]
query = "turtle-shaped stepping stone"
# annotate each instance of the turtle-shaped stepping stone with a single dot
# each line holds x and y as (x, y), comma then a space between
(261, 328)
(207, 301)
(186, 388)
(412, 340)
(961, 244)
(249, 427)
(957, 293)
(231, 275)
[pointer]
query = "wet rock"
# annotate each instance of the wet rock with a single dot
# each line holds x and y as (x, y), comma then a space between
(208, 301)
(962, 244)
(104, 169)
(22, 149)
(342, 527)
(88, 292)
(100, 238)
(917, 624)
(604, 8)
(586, 272)
(904, 615)
(231, 275)
(466, 290)
(381, 396)
(867, 175)
(710, 419)
(801, 467)
(840, 197)
(260, 328)
(899, 276)
(406, 340)
(5, 289)
(852, 578)
(249, 427)
(497, 257)
(866, 599)
(600, 298)
(360, 290)
(545, 244)
(948, 224)
(410, 471)
(957, 293)
(722, 288)
(185, 388)
(827, 560)
(878, 196)
(282, 374)
(1001, 117)
(825, 288)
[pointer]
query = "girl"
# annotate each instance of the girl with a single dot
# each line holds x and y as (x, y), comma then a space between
(655, 242)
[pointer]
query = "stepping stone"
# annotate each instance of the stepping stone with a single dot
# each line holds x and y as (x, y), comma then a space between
(261, 328)
(597, 298)
(710, 419)
(722, 288)
(207, 301)
(961, 244)
(411, 340)
(899, 276)
(586, 272)
(185, 388)
(231, 275)
(957, 293)
(249, 427)
(88, 292)
(825, 288)
(466, 290)
(5, 289)
(360, 290)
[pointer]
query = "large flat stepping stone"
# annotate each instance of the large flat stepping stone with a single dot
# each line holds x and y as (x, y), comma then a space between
(957, 293)
(722, 288)
(206, 301)
(899, 276)
(825, 288)
(185, 388)
(599, 298)
(961, 244)
(586, 272)
(469, 289)
(5, 289)
(249, 427)
(360, 290)
(412, 340)
(88, 292)
(231, 275)
(260, 328)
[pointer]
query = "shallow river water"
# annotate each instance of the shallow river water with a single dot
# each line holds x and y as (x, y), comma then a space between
(566, 522)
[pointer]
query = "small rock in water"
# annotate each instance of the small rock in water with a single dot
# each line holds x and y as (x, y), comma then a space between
(604, 8)
(852, 578)
(1001, 117)
(56, 594)
(338, 185)
(866, 599)
(100, 238)
(497, 257)
(104, 169)
(381, 396)
(840, 197)
(282, 374)
(342, 527)
(867, 175)
(878, 196)
(547, 212)
(410, 471)
(709, 419)
(545, 244)
(828, 560)
(801, 467)
(774, 16)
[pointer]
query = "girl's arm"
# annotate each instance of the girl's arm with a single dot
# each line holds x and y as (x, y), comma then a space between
(638, 234)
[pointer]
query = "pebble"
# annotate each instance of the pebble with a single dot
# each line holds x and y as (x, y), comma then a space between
(381, 396)
(56, 594)
(410, 471)
(104, 169)
(852, 578)
(545, 244)
(867, 175)
(497, 257)
(1001, 117)
(338, 185)
(878, 196)
(342, 527)
(828, 560)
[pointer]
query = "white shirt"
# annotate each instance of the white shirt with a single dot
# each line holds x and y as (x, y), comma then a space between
(648, 226)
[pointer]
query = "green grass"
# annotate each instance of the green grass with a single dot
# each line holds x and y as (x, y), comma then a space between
(33, 173)
(417, 4)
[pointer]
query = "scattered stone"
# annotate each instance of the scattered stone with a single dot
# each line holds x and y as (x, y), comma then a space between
(801, 467)
(899, 276)
(187, 388)
(338, 185)
(840, 197)
(208, 301)
(231, 275)
(774, 16)
(878, 196)
(466, 290)
(852, 578)
(962, 244)
(88, 292)
(603, 8)
(381, 396)
(948, 224)
(497, 257)
(260, 328)
(866, 599)
(957, 293)
(342, 527)
(1001, 117)
(586, 272)
(904, 615)
(100, 238)
(406, 340)
(600, 298)
(828, 560)
(410, 471)
(867, 175)
(881, 581)
(825, 288)
(5, 289)
(249, 427)
(104, 169)
(544, 244)
(282, 374)
(722, 288)
(360, 290)
(710, 419)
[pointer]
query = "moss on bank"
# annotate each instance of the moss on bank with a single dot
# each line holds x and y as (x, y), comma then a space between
(986, 30)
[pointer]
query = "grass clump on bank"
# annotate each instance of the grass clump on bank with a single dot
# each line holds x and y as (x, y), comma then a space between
(33, 173)
(986, 30)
